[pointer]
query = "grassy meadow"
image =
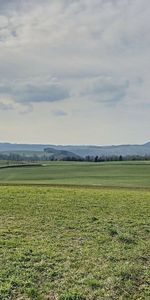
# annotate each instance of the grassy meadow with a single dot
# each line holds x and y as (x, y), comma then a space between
(125, 174)
(77, 242)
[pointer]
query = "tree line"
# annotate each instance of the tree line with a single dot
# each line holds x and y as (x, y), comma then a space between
(39, 158)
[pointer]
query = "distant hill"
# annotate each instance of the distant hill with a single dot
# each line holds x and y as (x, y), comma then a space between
(81, 150)
(147, 144)
(60, 154)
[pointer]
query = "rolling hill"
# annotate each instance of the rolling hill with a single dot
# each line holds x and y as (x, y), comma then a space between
(82, 150)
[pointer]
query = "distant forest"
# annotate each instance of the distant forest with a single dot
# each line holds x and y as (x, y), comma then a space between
(15, 157)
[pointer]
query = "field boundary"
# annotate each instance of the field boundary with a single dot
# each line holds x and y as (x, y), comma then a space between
(72, 186)
(20, 166)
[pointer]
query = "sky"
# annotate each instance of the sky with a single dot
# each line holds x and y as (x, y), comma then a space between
(75, 71)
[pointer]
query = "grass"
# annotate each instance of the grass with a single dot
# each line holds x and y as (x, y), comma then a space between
(124, 174)
(71, 243)
(3, 163)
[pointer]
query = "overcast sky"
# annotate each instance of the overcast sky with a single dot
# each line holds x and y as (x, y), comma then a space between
(75, 71)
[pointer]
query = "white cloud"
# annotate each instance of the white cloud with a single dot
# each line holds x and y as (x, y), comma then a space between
(98, 52)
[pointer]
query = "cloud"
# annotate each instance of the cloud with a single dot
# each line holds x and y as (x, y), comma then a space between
(105, 89)
(59, 113)
(7, 104)
(76, 55)
(33, 90)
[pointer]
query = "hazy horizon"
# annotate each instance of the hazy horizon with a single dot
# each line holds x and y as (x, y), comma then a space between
(90, 145)
(75, 72)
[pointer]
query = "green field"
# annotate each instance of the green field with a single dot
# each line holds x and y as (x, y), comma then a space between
(75, 242)
(126, 174)
(71, 243)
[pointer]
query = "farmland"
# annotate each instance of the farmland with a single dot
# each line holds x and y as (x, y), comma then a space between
(125, 174)
(80, 231)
